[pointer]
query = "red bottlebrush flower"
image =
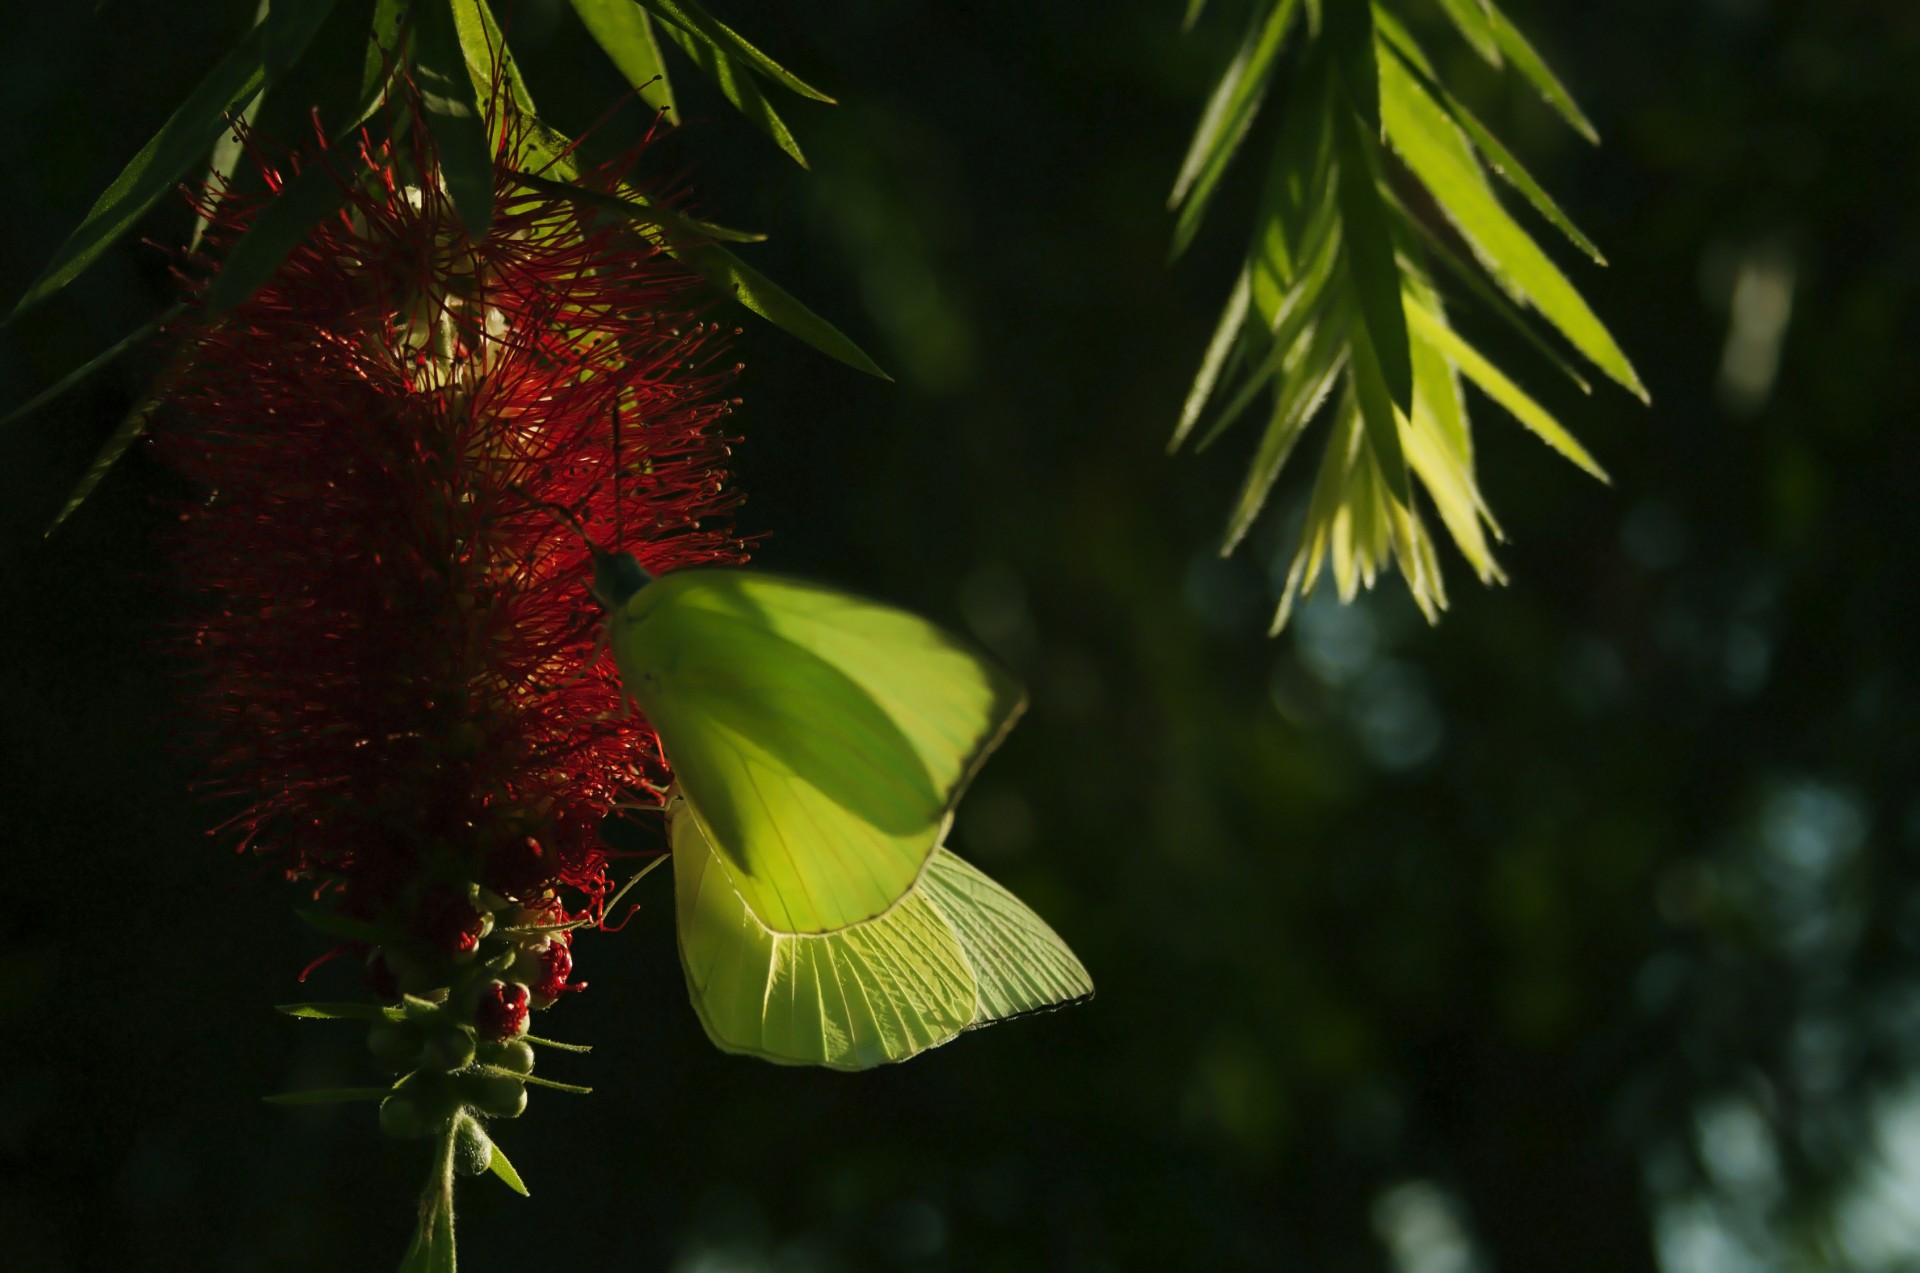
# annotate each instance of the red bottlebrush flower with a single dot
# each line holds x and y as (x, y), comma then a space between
(398, 653)
(501, 1012)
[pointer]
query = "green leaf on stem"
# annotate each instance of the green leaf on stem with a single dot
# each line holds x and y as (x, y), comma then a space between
(1224, 122)
(497, 1164)
(1531, 65)
(187, 135)
(90, 366)
(1438, 154)
(1475, 367)
(1371, 263)
(625, 33)
(639, 210)
(432, 1249)
(1232, 319)
(738, 87)
(341, 1011)
(769, 300)
(453, 115)
(691, 18)
(329, 1096)
(1469, 17)
(555, 1043)
(1498, 157)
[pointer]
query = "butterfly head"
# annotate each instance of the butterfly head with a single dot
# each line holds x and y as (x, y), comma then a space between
(617, 577)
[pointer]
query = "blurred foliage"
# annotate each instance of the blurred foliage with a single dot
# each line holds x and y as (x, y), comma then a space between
(1581, 933)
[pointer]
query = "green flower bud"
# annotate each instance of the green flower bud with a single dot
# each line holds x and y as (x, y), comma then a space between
(472, 1147)
(395, 1042)
(514, 1054)
(402, 1118)
(448, 1048)
(499, 1095)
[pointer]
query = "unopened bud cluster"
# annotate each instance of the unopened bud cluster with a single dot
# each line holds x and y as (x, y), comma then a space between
(459, 1006)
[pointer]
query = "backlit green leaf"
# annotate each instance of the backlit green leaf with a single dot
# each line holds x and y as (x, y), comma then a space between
(181, 142)
(1378, 412)
(1438, 154)
(383, 43)
(1371, 264)
(1470, 19)
(771, 301)
(623, 29)
(1224, 123)
(1498, 157)
(499, 1166)
(1302, 388)
(691, 18)
(1530, 64)
(1476, 368)
(454, 115)
(738, 87)
(90, 366)
(1232, 319)
(343, 1011)
(638, 210)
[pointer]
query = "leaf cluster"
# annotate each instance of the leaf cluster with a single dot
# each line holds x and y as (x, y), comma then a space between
(1338, 311)
(471, 99)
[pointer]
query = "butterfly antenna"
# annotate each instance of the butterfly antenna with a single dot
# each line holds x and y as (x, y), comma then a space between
(619, 513)
(560, 511)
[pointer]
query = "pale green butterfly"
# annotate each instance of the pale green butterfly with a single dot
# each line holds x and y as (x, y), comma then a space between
(819, 742)
(956, 952)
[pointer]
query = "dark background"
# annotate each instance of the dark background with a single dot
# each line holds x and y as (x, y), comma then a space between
(1580, 933)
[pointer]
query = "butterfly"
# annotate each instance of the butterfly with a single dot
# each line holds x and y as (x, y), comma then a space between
(819, 743)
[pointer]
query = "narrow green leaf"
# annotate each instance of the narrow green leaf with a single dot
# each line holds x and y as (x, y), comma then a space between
(432, 1249)
(738, 87)
(534, 1080)
(1438, 154)
(1378, 411)
(453, 114)
(341, 926)
(1224, 122)
(329, 1096)
(1371, 263)
(489, 60)
(1293, 318)
(343, 1011)
(538, 1042)
(500, 1167)
(1350, 39)
(1232, 319)
(1537, 72)
(691, 18)
(638, 210)
(1523, 408)
(1194, 9)
(90, 366)
(1302, 389)
(286, 32)
(128, 431)
(383, 43)
(227, 149)
(771, 301)
(1470, 19)
(1498, 157)
(186, 136)
(625, 32)
(302, 204)
(1488, 295)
